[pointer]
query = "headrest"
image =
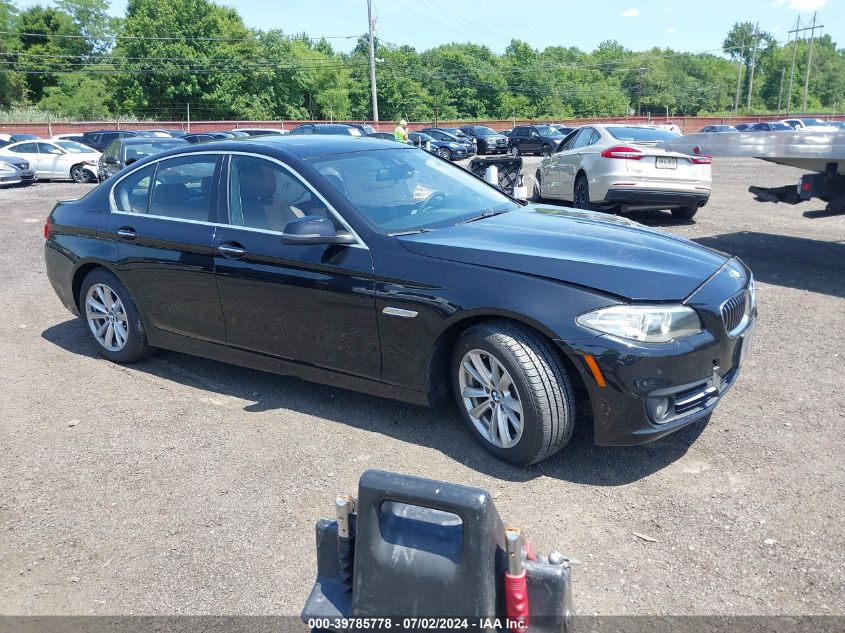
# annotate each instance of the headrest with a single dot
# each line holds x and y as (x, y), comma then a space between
(170, 193)
(256, 181)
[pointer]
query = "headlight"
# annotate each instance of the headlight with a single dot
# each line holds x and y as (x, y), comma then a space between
(90, 162)
(648, 324)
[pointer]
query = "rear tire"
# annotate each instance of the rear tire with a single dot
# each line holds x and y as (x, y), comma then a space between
(581, 194)
(515, 151)
(684, 213)
(513, 392)
(105, 303)
(546, 150)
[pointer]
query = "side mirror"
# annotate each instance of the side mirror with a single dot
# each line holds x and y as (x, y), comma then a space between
(314, 229)
(129, 160)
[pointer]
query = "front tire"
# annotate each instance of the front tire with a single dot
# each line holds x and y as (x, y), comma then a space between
(513, 392)
(546, 151)
(444, 153)
(112, 319)
(515, 151)
(77, 174)
(684, 213)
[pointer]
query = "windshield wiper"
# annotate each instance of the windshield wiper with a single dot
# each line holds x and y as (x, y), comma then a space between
(487, 213)
(408, 232)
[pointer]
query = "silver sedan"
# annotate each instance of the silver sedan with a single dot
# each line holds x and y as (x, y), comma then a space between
(623, 167)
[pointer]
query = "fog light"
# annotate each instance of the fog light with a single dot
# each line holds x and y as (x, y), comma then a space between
(658, 407)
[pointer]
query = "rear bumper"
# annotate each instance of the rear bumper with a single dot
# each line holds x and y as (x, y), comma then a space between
(657, 198)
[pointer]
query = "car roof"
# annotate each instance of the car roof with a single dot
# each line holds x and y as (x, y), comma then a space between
(301, 146)
(146, 140)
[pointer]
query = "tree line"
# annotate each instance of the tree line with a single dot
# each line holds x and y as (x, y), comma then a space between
(74, 60)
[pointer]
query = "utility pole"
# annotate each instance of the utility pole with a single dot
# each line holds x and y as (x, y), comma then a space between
(738, 80)
(780, 94)
(792, 69)
(189, 116)
(640, 91)
(753, 61)
(372, 60)
(809, 62)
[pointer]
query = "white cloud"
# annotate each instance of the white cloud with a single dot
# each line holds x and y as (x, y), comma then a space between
(671, 29)
(800, 5)
(631, 13)
(775, 28)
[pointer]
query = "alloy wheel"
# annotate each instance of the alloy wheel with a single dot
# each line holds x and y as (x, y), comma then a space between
(490, 398)
(77, 174)
(580, 195)
(546, 151)
(106, 316)
(514, 151)
(444, 153)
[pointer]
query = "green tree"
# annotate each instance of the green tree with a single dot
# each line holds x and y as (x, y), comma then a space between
(12, 83)
(78, 96)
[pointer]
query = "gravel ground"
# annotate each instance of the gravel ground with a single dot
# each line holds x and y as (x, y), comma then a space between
(184, 486)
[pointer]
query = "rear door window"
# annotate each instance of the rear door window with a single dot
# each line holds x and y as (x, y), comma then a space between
(132, 194)
(183, 188)
(26, 148)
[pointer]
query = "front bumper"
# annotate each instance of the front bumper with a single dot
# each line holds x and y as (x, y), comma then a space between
(688, 376)
(25, 176)
(659, 199)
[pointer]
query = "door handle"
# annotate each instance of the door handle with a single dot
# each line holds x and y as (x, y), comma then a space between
(126, 233)
(231, 250)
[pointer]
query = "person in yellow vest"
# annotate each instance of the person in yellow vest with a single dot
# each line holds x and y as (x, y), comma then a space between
(401, 131)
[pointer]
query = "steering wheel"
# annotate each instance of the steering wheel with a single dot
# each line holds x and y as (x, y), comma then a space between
(428, 203)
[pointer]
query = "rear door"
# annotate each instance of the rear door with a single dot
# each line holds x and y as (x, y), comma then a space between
(29, 152)
(307, 304)
(163, 218)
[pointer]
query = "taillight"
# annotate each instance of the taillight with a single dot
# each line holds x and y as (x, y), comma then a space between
(702, 160)
(622, 151)
(47, 227)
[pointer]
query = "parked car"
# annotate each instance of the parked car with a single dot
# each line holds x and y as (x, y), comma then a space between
(487, 140)
(769, 126)
(563, 129)
(16, 171)
(505, 132)
(261, 131)
(450, 135)
(839, 125)
(8, 139)
(622, 167)
(67, 137)
(162, 133)
(125, 151)
(445, 149)
(365, 128)
(376, 267)
(743, 127)
(534, 139)
(717, 129)
(99, 139)
(203, 137)
(809, 125)
(385, 136)
(328, 128)
(57, 160)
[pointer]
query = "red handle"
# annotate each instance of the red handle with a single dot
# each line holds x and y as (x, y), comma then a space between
(516, 601)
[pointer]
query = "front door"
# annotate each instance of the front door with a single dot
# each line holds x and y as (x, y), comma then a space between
(309, 304)
(164, 221)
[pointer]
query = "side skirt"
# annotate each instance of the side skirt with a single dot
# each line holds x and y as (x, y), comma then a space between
(272, 364)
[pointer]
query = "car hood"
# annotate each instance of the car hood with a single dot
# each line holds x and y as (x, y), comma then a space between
(494, 137)
(608, 253)
(14, 160)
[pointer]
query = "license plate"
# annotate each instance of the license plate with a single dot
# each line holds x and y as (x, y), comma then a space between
(666, 162)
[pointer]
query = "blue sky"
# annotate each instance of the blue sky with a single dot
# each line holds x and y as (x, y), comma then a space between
(679, 24)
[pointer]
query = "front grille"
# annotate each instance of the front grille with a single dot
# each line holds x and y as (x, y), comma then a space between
(694, 398)
(733, 311)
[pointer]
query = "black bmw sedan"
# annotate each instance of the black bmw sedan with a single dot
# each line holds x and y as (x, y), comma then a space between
(382, 268)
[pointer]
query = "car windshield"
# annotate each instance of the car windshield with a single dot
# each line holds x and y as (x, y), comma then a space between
(73, 147)
(141, 150)
(547, 130)
(640, 134)
(485, 131)
(401, 190)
